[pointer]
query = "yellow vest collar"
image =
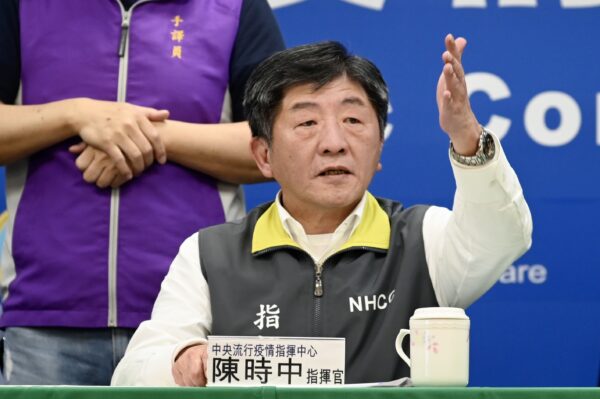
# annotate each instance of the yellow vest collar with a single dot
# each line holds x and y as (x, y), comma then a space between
(269, 231)
(373, 230)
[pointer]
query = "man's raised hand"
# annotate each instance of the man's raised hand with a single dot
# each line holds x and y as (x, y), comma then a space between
(456, 117)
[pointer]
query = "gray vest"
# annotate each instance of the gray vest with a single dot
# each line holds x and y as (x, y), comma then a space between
(369, 294)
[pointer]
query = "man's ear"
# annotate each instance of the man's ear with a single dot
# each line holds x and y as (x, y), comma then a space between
(261, 153)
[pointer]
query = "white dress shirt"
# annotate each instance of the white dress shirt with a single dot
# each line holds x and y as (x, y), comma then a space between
(467, 249)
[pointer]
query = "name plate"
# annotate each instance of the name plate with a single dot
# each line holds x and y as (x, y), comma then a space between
(278, 361)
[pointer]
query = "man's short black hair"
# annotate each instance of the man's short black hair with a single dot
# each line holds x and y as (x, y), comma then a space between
(318, 64)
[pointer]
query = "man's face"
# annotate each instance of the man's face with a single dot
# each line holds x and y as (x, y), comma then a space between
(326, 147)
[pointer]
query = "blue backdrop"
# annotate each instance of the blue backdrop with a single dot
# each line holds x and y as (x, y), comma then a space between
(535, 81)
(534, 78)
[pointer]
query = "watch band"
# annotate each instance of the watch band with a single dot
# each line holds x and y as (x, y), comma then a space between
(485, 151)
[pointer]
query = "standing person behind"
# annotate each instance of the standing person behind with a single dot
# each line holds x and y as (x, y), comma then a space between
(85, 262)
(304, 261)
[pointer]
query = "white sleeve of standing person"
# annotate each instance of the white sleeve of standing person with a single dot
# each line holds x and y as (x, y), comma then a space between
(181, 317)
(467, 249)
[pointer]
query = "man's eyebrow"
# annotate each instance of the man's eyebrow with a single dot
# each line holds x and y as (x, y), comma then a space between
(309, 104)
(353, 101)
(303, 105)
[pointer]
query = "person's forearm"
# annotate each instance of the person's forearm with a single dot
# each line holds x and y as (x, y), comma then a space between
(26, 129)
(489, 227)
(219, 150)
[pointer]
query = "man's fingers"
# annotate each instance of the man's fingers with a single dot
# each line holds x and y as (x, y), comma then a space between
(204, 358)
(456, 65)
(154, 115)
(119, 159)
(202, 369)
(77, 148)
(98, 169)
(133, 154)
(202, 380)
(138, 137)
(454, 83)
(195, 371)
(176, 375)
(182, 376)
(455, 47)
(189, 366)
(190, 378)
(84, 160)
(461, 43)
(449, 76)
(107, 177)
(118, 181)
(447, 96)
(154, 138)
(458, 69)
(199, 376)
(450, 44)
(186, 380)
(157, 115)
(91, 174)
(204, 366)
(195, 380)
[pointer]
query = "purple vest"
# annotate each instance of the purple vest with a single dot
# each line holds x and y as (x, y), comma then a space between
(70, 48)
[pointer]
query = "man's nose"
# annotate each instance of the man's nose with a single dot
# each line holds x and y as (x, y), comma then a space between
(333, 138)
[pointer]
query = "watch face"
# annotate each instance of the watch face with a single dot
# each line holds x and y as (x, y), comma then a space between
(488, 146)
(485, 152)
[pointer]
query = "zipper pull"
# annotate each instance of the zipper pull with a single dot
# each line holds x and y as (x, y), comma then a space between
(124, 34)
(318, 286)
(318, 281)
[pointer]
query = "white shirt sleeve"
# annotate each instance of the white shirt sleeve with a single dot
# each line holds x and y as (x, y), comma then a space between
(181, 317)
(467, 249)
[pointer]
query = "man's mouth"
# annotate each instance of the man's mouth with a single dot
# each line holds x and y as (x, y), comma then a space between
(334, 172)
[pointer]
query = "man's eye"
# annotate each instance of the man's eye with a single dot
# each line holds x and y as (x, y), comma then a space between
(352, 120)
(307, 123)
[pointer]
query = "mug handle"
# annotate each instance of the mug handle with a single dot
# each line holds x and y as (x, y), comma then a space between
(403, 333)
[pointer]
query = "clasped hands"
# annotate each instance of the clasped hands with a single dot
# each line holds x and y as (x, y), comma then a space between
(119, 140)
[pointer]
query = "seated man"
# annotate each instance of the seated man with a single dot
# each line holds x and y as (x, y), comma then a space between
(317, 116)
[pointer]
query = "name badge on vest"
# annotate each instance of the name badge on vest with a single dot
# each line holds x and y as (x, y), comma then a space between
(278, 361)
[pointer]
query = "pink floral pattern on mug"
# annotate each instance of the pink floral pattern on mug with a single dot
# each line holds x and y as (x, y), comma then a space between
(431, 344)
(417, 337)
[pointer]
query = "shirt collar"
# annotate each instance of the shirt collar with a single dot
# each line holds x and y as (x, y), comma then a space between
(297, 232)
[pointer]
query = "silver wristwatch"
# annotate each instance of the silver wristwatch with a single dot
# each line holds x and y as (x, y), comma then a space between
(485, 151)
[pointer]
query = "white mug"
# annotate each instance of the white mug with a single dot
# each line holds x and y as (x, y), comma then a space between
(439, 347)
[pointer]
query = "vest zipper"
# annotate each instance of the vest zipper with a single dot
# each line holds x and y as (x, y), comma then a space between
(123, 53)
(318, 295)
(318, 280)
(124, 34)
